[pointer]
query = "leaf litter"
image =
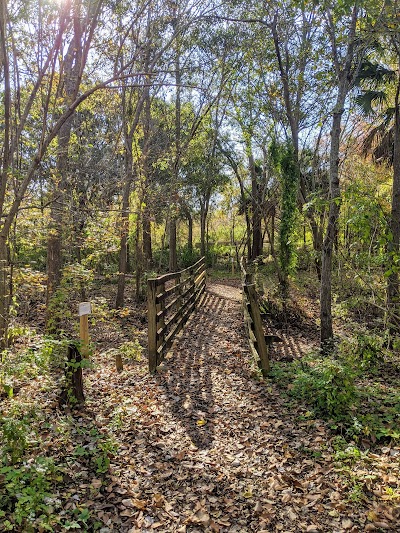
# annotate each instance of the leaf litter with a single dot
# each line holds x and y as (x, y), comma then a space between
(207, 445)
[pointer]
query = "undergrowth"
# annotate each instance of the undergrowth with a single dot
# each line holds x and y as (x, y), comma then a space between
(41, 457)
(353, 388)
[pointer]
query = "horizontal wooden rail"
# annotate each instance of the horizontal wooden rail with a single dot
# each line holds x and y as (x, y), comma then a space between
(171, 299)
(252, 318)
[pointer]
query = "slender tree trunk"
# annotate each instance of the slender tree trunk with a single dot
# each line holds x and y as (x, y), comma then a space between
(393, 287)
(256, 211)
(203, 228)
(147, 243)
(317, 238)
(332, 228)
(123, 252)
(5, 170)
(190, 232)
(146, 221)
(57, 217)
(272, 236)
(72, 75)
(173, 261)
(345, 78)
(139, 261)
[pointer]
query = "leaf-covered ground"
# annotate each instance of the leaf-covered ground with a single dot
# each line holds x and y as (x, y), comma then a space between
(205, 445)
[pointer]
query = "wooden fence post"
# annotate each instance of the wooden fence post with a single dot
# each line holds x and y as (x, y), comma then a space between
(85, 310)
(262, 347)
(152, 323)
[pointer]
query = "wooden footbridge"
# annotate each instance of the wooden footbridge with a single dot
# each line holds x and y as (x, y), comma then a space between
(173, 297)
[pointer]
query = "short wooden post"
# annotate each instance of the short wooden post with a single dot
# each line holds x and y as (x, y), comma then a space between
(85, 310)
(152, 323)
(262, 347)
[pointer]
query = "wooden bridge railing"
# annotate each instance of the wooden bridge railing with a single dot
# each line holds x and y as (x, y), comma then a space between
(171, 298)
(252, 318)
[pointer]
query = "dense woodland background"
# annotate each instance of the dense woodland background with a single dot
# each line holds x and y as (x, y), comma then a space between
(137, 137)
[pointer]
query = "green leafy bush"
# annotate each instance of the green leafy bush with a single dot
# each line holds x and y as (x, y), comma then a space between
(14, 439)
(25, 491)
(362, 351)
(329, 386)
(188, 257)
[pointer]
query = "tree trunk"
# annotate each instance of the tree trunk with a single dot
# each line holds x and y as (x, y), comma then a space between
(332, 228)
(147, 244)
(317, 238)
(345, 78)
(5, 168)
(57, 218)
(393, 288)
(173, 261)
(73, 394)
(256, 211)
(190, 232)
(204, 205)
(139, 260)
(123, 250)
(72, 74)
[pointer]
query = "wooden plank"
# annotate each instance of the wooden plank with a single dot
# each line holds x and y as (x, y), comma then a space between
(200, 277)
(172, 275)
(170, 337)
(165, 277)
(163, 295)
(174, 301)
(179, 313)
(201, 268)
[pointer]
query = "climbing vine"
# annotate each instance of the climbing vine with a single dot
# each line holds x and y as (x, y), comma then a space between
(284, 162)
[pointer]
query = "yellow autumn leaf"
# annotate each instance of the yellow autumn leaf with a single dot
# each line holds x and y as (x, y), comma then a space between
(248, 493)
(372, 516)
(201, 422)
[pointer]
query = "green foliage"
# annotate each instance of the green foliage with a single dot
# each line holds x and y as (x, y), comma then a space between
(29, 362)
(97, 452)
(327, 385)
(187, 257)
(26, 491)
(345, 452)
(364, 351)
(14, 439)
(75, 279)
(25, 484)
(131, 350)
(284, 159)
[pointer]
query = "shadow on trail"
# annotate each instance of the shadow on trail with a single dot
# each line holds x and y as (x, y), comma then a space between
(290, 349)
(187, 378)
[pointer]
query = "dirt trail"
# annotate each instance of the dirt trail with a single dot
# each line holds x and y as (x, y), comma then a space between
(208, 446)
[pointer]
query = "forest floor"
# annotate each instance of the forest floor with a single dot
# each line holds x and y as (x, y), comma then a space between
(204, 445)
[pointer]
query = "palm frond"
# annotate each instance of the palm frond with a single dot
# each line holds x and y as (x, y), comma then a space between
(367, 99)
(379, 143)
(375, 74)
